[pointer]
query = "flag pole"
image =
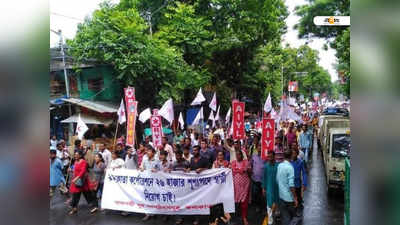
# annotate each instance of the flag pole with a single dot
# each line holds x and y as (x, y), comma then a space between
(115, 136)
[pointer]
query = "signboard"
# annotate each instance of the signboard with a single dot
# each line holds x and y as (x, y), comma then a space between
(131, 112)
(175, 193)
(238, 120)
(293, 86)
(268, 137)
(156, 128)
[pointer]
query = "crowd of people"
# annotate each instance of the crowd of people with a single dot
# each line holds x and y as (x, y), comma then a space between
(281, 179)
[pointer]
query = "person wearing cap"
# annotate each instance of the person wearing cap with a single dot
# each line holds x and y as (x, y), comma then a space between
(56, 174)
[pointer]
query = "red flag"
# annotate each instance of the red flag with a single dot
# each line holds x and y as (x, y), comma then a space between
(268, 137)
(156, 128)
(131, 111)
(238, 120)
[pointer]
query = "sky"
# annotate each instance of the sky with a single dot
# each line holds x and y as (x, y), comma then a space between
(66, 15)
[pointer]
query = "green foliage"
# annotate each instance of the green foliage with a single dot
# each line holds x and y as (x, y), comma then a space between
(117, 37)
(188, 32)
(233, 46)
(272, 60)
(337, 36)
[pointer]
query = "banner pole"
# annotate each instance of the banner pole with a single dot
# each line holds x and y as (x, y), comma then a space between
(115, 136)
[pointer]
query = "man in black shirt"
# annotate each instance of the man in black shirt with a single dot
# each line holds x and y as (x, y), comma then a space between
(198, 163)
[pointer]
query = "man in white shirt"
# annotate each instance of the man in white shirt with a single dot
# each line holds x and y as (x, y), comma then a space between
(168, 148)
(116, 162)
(150, 163)
(131, 159)
(105, 153)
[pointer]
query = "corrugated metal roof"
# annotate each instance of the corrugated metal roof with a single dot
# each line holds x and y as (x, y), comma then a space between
(101, 107)
(87, 119)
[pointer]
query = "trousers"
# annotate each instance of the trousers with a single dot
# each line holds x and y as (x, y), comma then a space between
(89, 196)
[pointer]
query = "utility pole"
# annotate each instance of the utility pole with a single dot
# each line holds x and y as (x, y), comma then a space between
(150, 14)
(59, 33)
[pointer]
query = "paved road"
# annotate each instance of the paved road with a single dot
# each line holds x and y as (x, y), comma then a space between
(318, 210)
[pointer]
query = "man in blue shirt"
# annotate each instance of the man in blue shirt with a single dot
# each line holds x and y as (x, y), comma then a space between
(300, 176)
(287, 194)
(305, 139)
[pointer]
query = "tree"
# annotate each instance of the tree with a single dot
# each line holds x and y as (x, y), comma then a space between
(337, 36)
(273, 61)
(118, 37)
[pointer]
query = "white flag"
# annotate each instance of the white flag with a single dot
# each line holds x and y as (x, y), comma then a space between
(181, 121)
(228, 116)
(198, 117)
(274, 114)
(211, 117)
(167, 111)
(217, 115)
(121, 113)
(268, 104)
(81, 128)
(199, 98)
(292, 101)
(213, 103)
(145, 115)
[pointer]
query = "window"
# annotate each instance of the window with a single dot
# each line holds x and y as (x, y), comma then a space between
(341, 145)
(96, 84)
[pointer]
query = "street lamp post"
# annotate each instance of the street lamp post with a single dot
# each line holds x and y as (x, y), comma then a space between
(59, 33)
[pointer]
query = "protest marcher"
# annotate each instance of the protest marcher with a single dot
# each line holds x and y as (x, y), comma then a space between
(178, 138)
(232, 149)
(254, 148)
(53, 141)
(305, 142)
(105, 153)
(150, 163)
(63, 155)
(56, 174)
(220, 162)
(99, 168)
(116, 162)
(291, 135)
(295, 147)
(257, 165)
(278, 149)
(168, 148)
(197, 164)
(165, 164)
(206, 153)
(288, 201)
(186, 153)
(147, 140)
(131, 159)
(270, 186)
(300, 177)
(188, 143)
(141, 152)
(80, 184)
(120, 151)
(241, 182)
(180, 164)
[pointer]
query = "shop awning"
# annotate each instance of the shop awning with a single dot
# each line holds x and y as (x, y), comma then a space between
(101, 107)
(88, 119)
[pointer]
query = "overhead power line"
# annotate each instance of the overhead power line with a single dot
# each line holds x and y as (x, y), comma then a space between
(69, 17)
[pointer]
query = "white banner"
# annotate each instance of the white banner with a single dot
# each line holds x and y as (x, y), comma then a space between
(176, 193)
